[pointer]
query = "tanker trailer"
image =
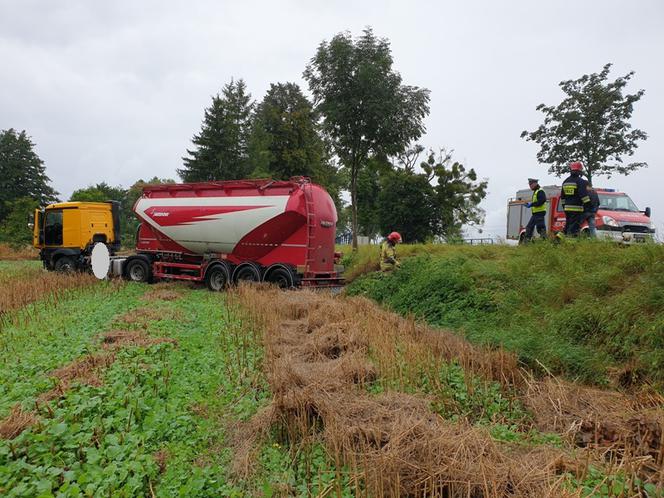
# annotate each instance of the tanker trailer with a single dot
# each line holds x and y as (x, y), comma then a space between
(225, 232)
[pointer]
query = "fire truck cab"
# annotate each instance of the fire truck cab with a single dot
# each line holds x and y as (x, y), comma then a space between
(617, 218)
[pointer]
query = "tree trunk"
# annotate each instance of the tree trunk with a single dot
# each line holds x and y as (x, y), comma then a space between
(353, 204)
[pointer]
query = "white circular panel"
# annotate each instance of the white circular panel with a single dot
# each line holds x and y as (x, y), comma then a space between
(101, 261)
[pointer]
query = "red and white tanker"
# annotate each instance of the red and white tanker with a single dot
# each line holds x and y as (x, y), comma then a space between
(224, 232)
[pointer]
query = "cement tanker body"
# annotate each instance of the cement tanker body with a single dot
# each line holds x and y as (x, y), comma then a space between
(225, 232)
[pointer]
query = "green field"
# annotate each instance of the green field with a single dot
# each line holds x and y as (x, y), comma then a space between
(122, 389)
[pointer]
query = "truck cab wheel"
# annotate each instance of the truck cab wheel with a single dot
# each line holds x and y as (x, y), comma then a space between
(65, 264)
(138, 271)
(216, 278)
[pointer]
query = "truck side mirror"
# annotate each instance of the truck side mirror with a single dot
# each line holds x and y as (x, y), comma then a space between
(647, 212)
(31, 221)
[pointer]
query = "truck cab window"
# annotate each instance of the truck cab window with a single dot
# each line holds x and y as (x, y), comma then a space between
(53, 228)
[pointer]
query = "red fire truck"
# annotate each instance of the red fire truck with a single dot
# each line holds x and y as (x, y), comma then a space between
(617, 219)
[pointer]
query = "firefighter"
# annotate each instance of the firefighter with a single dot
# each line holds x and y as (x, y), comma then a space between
(592, 209)
(388, 252)
(575, 199)
(538, 211)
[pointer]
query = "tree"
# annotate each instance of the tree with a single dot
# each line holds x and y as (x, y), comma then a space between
(22, 172)
(370, 181)
(99, 193)
(407, 204)
(458, 193)
(285, 140)
(293, 145)
(14, 228)
(591, 125)
(221, 148)
(365, 107)
(129, 221)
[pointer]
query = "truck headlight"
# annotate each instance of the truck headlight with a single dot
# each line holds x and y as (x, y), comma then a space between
(608, 220)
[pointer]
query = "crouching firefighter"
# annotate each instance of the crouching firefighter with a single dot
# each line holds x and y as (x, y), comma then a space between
(537, 211)
(388, 252)
(575, 199)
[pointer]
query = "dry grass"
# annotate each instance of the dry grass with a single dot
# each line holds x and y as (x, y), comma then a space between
(39, 285)
(118, 339)
(164, 291)
(9, 253)
(16, 422)
(321, 350)
(85, 370)
(317, 361)
(628, 429)
(142, 317)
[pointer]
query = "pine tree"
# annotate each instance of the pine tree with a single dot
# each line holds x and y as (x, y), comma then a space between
(221, 147)
(22, 172)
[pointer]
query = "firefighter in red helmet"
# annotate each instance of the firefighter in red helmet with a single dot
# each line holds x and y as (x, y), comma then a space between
(388, 252)
(575, 199)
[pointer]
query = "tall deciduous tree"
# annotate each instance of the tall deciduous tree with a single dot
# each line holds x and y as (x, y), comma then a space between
(433, 200)
(221, 147)
(458, 192)
(22, 172)
(365, 107)
(407, 204)
(591, 125)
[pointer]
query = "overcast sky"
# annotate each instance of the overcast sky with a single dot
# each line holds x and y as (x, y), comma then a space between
(113, 91)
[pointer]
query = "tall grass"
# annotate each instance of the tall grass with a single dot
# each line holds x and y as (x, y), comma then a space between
(9, 253)
(591, 310)
(34, 285)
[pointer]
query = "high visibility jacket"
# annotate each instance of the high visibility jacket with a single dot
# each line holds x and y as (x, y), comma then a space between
(574, 194)
(388, 257)
(539, 202)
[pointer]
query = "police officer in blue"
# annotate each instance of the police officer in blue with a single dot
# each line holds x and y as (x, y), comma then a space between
(537, 211)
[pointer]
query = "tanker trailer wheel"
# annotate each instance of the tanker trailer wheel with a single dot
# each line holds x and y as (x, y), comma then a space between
(65, 264)
(216, 278)
(281, 277)
(137, 270)
(247, 272)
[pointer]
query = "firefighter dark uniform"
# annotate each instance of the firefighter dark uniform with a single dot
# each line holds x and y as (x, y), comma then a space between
(575, 200)
(537, 211)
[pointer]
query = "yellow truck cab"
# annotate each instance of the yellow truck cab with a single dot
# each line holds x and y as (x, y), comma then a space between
(65, 232)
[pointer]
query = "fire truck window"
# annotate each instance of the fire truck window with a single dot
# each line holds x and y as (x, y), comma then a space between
(53, 228)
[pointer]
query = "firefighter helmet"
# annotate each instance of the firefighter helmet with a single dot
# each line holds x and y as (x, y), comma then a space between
(394, 237)
(576, 166)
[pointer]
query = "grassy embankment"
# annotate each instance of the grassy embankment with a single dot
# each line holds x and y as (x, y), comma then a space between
(590, 310)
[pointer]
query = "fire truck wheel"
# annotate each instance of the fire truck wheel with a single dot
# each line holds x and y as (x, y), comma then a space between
(280, 277)
(216, 278)
(138, 270)
(65, 265)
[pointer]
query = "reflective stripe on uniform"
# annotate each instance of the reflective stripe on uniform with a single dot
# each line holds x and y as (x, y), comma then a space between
(574, 209)
(585, 199)
(570, 188)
